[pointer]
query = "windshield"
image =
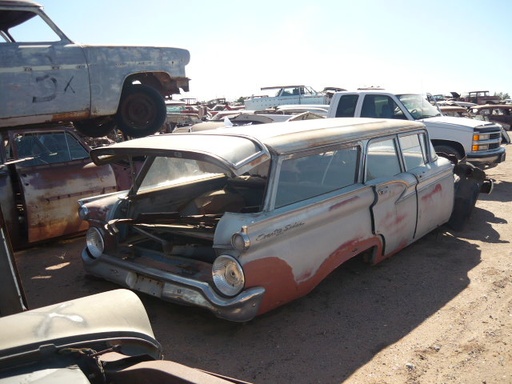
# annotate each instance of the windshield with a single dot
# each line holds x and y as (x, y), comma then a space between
(170, 171)
(418, 106)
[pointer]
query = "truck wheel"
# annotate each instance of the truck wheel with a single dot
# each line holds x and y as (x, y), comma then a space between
(141, 111)
(447, 151)
(95, 127)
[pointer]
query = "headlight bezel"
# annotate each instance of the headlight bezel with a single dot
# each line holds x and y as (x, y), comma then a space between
(228, 275)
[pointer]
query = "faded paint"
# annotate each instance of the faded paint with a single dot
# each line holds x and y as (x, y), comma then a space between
(281, 285)
(436, 191)
(51, 194)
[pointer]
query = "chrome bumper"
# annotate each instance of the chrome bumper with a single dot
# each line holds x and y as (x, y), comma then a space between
(174, 288)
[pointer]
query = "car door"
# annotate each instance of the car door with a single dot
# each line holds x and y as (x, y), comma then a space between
(54, 171)
(394, 210)
(434, 182)
(45, 78)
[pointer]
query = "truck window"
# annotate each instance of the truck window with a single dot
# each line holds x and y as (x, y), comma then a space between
(347, 106)
(381, 106)
(413, 150)
(35, 29)
(316, 174)
(382, 159)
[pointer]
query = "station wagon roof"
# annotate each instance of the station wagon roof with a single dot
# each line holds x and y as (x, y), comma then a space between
(279, 138)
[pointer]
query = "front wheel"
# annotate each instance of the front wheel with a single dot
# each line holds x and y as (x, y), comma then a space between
(141, 111)
(449, 152)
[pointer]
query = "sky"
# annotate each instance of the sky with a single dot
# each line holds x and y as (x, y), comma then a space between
(238, 47)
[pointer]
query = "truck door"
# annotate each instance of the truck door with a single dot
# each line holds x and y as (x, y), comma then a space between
(42, 75)
(54, 171)
(394, 211)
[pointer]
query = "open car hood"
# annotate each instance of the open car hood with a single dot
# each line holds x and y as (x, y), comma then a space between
(111, 318)
(234, 153)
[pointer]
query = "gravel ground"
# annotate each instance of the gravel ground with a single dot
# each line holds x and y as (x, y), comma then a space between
(439, 311)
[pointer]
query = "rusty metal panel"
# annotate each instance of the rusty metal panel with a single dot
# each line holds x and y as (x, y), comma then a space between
(308, 242)
(42, 80)
(7, 202)
(51, 193)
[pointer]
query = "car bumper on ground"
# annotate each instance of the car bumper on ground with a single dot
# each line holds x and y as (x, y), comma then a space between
(173, 288)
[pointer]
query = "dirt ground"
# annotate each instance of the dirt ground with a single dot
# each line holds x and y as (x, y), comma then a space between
(440, 311)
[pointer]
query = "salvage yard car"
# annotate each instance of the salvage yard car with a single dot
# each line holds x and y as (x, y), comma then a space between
(46, 77)
(242, 220)
(496, 113)
(43, 172)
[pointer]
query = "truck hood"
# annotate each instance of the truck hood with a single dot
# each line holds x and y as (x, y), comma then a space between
(453, 122)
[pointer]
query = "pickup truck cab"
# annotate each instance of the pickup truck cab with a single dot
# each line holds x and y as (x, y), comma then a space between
(477, 141)
(46, 77)
(242, 220)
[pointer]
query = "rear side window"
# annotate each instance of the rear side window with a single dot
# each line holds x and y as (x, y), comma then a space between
(316, 174)
(382, 159)
(347, 106)
(413, 150)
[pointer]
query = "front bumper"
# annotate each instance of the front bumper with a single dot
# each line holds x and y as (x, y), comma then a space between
(174, 288)
(489, 159)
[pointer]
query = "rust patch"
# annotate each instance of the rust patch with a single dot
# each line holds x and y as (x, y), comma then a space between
(437, 189)
(343, 203)
(276, 275)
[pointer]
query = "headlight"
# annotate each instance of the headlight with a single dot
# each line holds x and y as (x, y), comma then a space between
(228, 275)
(83, 212)
(94, 242)
(240, 241)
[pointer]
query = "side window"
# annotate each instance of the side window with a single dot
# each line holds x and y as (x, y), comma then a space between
(381, 106)
(413, 150)
(316, 174)
(33, 30)
(382, 159)
(347, 106)
(75, 148)
(49, 148)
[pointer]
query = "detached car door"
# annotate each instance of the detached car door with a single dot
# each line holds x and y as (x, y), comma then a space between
(54, 171)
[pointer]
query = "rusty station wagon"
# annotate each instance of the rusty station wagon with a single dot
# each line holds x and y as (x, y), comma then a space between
(242, 220)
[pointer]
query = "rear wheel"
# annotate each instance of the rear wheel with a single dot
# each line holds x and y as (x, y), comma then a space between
(141, 111)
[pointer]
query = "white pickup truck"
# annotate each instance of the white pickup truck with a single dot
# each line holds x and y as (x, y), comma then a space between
(477, 141)
(46, 77)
